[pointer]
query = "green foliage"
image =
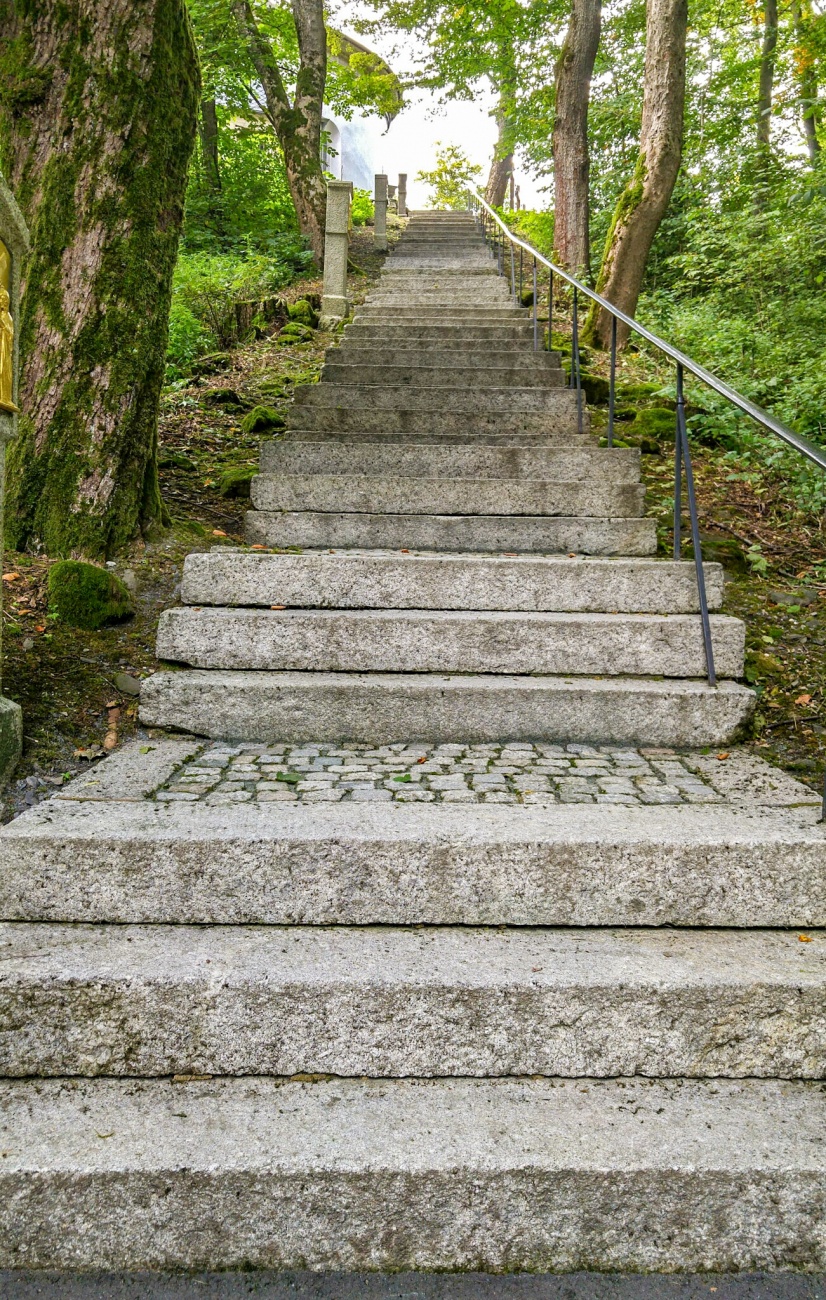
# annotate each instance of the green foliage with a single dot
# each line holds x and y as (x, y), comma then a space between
(362, 209)
(86, 596)
(254, 208)
(449, 177)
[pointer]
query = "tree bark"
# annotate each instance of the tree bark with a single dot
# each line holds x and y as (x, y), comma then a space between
(768, 56)
(297, 125)
(570, 137)
(807, 81)
(643, 202)
(96, 129)
(208, 130)
(501, 168)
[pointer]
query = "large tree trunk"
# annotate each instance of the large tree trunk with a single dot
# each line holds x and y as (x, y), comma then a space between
(643, 202)
(807, 81)
(501, 168)
(297, 125)
(96, 130)
(768, 56)
(570, 137)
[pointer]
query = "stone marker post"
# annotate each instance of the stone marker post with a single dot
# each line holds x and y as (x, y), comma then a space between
(402, 201)
(334, 304)
(380, 219)
(14, 244)
(391, 196)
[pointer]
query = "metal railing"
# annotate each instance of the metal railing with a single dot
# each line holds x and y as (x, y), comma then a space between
(498, 236)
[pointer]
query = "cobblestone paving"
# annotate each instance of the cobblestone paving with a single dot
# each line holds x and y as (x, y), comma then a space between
(411, 773)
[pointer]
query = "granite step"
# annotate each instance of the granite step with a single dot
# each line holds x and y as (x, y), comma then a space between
(449, 641)
(624, 1175)
(472, 427)
(435, 335)
(530, 534)
(431, 460)
(390, 580)
(384, 708)
(395, 495)
(384, 1002)
(418, 373)
(104, 850)
(478, 314)
(380, 397)
(436, 355)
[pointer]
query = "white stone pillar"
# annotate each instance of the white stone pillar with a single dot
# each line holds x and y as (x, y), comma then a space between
(14, 244)
(402, 205)
(380, 219)
(334, 303)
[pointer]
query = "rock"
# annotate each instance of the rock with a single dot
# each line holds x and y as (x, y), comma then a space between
(262, 419)
(235, 482)
(175, 460)
(638, 392)
(87, 596)
(806, 596)
(654, 422)
(212, 363)
(595, 388)
(226, 399)
(130, 581)
(127, 684)
(302, 312)
(722, 550)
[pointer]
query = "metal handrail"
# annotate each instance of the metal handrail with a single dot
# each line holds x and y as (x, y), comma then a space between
(806, 448)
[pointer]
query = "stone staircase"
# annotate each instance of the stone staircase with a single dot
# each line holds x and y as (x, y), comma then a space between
(435, 1003)
(472, 567)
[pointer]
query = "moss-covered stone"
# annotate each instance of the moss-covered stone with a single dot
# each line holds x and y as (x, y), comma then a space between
(212, 364)
(722, 550)
(262, 419)
(11, 737)
(86, 596)
(302, 313)
(226, 399)
(654, 422)
(175, 460)
(640, 392)
(236, 481)
(595, 388)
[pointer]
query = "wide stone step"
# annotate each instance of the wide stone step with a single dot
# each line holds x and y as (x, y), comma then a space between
(444, 356)
(384, 708)
(157, 1000)
(623, 1175)
(395, 495)
(471, 401)
(509, 533)
(523, 375)
(436, 335)
(757, 862)
(479, 314)
(390, 580)
(431, 460)
(447, 641)
(507, 426)
(492, 294)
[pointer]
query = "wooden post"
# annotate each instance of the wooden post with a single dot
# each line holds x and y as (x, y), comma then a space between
(335, 304)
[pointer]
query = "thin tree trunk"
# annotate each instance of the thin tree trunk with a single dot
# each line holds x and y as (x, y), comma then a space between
(643, 202)
(570, 137)
(501, 168)
(208, 130)
(96, 146)
(297, 125)
(768, 56)
(807, 81)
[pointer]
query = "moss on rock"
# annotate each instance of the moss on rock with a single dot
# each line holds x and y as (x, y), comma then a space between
(302, 313)
(86, 596)
(654, 422)
(262, 419)
(236, 481)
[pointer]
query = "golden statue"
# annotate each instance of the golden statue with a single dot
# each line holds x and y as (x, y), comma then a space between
(6, 335)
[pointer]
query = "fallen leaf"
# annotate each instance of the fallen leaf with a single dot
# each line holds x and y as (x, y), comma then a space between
(803, 699)
(421, 760)
(278, 606)
(572, 555)
(10, 577)
(110, 741)
(804, 938)
(404, 552)
(105, 1135)
(216, 532)
(722, 756)
(40, 628)
(258, 546)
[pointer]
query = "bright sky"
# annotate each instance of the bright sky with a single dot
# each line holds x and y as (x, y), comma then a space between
(411, 143)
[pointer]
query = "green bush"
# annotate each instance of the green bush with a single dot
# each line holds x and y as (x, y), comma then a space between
(362, 209)
(86, 596)
(188, 340)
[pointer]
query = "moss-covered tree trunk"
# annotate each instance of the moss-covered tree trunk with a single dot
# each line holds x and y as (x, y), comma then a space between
(297, 124)
(570, 137)
(643, 202)
(98, 111)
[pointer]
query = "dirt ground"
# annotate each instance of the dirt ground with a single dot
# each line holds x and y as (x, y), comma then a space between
(78, 689)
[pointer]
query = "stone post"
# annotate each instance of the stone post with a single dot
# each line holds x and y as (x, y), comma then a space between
(14, 244)
(391, 196)
(380, 219)
(335, 304)
(402, 203)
